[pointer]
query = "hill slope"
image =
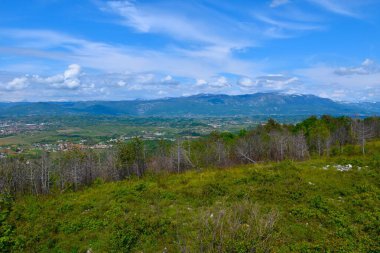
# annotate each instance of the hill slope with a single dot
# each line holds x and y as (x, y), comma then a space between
(280, 207)
(198, 105)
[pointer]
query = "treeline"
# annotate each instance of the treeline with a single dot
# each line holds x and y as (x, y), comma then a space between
(70, 170)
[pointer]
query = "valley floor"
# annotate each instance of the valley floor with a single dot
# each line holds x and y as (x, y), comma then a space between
(312, 206)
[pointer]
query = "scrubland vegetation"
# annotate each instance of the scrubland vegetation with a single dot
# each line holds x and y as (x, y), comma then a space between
(310, 187)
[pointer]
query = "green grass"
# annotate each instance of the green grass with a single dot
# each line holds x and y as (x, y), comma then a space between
(318, 210)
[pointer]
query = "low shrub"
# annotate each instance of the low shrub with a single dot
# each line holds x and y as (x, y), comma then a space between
(241, 227)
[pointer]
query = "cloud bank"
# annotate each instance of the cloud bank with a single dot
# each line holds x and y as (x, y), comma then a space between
(175, 48)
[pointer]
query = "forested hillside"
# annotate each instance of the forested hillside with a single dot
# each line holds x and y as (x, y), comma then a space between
(309, 187)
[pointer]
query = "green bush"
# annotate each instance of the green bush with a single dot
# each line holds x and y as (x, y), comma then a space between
(124, 238)
(214, 190)
(319, 203)
(6, 230)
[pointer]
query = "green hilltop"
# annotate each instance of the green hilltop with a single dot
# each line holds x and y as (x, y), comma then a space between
(308, 206)
(309, 187)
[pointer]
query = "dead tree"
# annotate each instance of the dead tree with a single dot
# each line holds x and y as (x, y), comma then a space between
(180, 159)
(363, 133)
(300, 146)
(244, 150)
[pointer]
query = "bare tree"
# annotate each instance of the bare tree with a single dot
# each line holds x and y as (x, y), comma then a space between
(179, 147)
(244, 150)
(363, 133)
(43, 168)
(278, 144)
(180, 158)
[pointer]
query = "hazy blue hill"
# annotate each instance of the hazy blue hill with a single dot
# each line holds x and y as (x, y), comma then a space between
(369, 107)
(199, 105)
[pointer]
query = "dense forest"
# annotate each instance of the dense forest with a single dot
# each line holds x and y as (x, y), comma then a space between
(71, 170)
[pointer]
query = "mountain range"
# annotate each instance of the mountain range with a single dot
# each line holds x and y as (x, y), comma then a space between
(198, 106)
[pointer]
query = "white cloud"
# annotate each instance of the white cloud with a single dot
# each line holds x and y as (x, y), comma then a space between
(200, 82)
(169, 80)
(132, 15)
(162, 92)
(276, 82)
(68, 83)
(218, 82)
(367, 67)
(318, 80)
(277, 3)
(246, 82)
(103, 90)
(157, 18)
(356, 82)
(209, 47)
(215, 55)
(121, 83)
(68, 80)
(336, 6)
(288, 25)
(72, 72)
(145, 78)
(147, 82)
(17, 83)
(215, 84)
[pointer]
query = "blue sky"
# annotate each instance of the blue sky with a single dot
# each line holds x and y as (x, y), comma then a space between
(58, 50)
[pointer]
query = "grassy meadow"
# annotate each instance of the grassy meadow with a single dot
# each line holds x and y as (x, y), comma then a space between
(267, 207)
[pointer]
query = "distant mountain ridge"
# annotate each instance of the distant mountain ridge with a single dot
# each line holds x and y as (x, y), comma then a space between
(198, 105)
